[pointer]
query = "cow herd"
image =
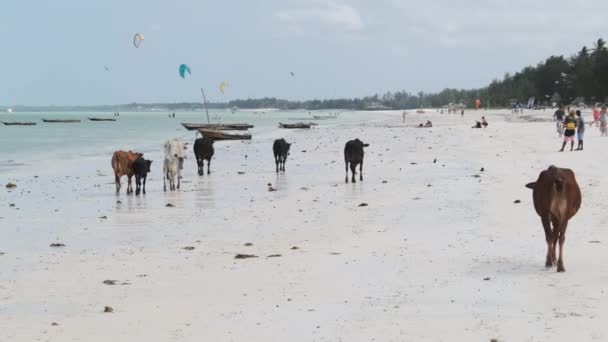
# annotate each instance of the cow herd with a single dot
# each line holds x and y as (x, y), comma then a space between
(128, 163)
(556, 194)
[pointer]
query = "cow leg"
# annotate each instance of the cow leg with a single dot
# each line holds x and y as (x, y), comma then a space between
(556, 232)
(130, 184)
(346, 167)
(117, 182)
(144, 189)
(165, 181)
(209, 166)
(277, 162)
(549, 239)
(361, 171)
(137, 184)
(201, 166)
(562, 239)
(353, 169)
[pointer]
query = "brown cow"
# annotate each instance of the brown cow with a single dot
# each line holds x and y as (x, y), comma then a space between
(122, 163)
(557, 199)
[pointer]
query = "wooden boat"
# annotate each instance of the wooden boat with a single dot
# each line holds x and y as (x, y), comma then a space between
(61, 120)
(297, 125)
(102, 119)
(17, 123)
(222, 127)
(222, 135)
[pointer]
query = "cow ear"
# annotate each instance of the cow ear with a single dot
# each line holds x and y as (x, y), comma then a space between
(365, 145)
(530, 185)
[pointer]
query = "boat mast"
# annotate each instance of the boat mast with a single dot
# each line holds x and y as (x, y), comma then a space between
(205, 103)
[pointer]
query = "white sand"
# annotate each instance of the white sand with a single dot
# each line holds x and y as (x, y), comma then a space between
(409, 267)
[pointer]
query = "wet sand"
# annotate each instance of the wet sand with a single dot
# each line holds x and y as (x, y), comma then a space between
(441, 252)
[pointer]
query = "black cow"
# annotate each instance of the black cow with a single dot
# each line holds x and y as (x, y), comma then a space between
(353, 154)
(281, 151)
(141, 167)
(203, 150)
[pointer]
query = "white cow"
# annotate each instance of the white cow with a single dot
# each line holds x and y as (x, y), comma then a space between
(173, 163)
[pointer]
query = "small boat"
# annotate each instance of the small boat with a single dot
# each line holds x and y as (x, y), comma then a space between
(297, 125)
(16, 123)
(61, 120)
(326, 117)
(102, 119)
(223, 127)
(222, 135)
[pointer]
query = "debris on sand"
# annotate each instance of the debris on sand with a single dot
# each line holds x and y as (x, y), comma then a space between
(494, 340)
(274, 256)
(413, 163)
(476, 176)
(271, 189)
(363, 205)
(248, 244)
(335, 253)
(12, 205)
(189, 248)
(245, 256)
(241, 173)
(11, 185)
(517, 201)
(486, 279)
(435, 161)
(482, 169)
(384, 182)
(295, 248)
(57, 244)
(109, 282)
(54, 324)
(108, 309)
(169, 205)
(593, 241)
(103, 217)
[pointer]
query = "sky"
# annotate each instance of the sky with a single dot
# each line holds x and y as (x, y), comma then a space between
(56, 52)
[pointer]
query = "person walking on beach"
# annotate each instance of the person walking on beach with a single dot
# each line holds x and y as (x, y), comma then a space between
(569, 131)
(580, 130)
(559, 120)
(596, 114)
(603, 120)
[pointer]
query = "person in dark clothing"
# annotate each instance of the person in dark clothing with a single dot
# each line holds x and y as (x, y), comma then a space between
(559, 120)
(580, 130)
(477, 125)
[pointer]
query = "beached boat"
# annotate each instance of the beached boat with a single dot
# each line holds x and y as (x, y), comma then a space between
(61, 120)
(17, 123)
(221, 127)
(223, 135)
(102, 119)
(297, 125)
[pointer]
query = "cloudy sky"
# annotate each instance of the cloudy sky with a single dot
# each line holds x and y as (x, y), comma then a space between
(56, 52)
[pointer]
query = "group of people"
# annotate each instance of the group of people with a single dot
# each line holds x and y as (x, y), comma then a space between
(482, 124)
(569, 126)
(428, 124)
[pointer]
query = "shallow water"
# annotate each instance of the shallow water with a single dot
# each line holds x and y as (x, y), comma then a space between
(23, 146)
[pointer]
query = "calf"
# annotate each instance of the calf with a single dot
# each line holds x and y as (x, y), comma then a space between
(353, 155)
(173, 163)
(557, 199)
(281, 151)
(141, 167)
(122, 163)
(203, 150)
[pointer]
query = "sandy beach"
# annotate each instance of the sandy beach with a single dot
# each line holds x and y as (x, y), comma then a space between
(440, 253)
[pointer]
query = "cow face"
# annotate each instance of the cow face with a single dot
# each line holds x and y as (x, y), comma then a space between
(148, 164)
(531, 185)
(288, 146)
(365, 145)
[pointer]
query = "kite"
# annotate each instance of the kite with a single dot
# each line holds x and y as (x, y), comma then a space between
(292, 74)
(138, 39)
(106, 67)
(223, 86)
(183, 69)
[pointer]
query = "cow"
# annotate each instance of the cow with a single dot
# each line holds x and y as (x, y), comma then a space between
(173, 163)
(203, 150)
(141, 167)
(353, 155)
(122, 163)
(557, 198)
(281, 151)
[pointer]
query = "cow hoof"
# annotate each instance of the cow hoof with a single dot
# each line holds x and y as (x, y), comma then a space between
(561, 269)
